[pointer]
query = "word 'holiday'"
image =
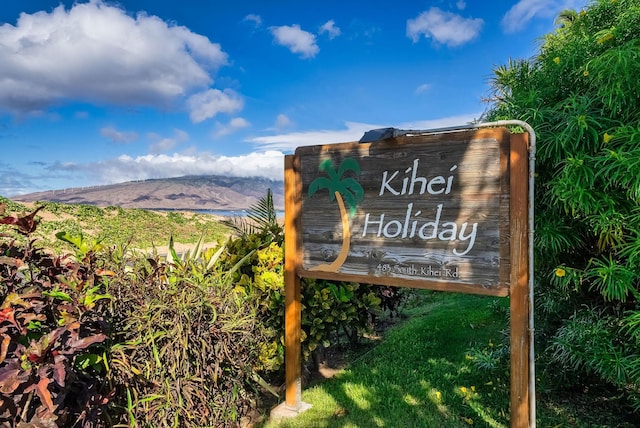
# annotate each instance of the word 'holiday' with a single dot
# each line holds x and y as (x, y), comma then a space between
(412, 225)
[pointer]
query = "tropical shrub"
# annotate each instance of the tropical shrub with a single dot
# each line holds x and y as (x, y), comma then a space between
(581, 95)
(331, 312)
(53, 322)
(185, 342)
(121, 338)
(111, 336)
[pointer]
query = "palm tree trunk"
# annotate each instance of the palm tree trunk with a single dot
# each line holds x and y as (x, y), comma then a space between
(346, 240)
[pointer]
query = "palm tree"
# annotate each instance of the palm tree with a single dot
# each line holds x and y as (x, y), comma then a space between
(261, 219)
(343, 190)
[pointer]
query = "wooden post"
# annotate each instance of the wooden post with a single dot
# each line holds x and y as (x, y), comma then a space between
(519, 288)
(292, 323)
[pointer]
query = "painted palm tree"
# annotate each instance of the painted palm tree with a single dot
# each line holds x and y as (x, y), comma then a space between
(347, 191)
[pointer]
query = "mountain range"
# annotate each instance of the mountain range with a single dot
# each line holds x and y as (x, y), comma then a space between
(208, 192)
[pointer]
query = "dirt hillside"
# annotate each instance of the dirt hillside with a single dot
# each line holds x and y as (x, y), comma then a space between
(180, 193)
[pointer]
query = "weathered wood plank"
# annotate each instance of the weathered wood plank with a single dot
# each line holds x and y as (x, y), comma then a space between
(431, 205)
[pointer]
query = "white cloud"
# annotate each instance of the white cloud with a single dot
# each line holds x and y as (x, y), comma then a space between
(16, 181)
(205, 105)
(423, 88)
(255, 19)
(181, 135)
(525, 10)
(296, 40)
(164, 144)
(234, 125)
(443, 122)
(126, 168)
(266, 161)
(282, 121)
(95, 52)
(461, 4)
(354, 131)
(288, 142)
(120, 137)
(330, 28)
(444, 27)
(239, 123)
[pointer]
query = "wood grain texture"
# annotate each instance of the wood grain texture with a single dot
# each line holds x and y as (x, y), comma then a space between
(519, 302)
(435, 212)
(292, 322)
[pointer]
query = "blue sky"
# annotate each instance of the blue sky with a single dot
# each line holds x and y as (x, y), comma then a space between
(101, 92)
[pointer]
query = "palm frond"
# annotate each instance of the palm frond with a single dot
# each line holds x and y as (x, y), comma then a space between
(263, 213)
(261, 218)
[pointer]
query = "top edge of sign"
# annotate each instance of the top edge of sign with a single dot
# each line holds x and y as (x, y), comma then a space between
(500, 134)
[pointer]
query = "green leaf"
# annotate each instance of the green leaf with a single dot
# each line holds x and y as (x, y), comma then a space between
(58, 295)
(75, 240)
(85, 361)
(92, 298)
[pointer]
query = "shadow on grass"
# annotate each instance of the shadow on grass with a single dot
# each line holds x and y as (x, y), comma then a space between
(419, 376)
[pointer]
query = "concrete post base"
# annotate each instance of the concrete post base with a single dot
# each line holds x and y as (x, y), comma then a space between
(282, 411)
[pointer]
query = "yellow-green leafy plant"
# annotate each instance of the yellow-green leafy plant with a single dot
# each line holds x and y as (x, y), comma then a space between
(580, 93)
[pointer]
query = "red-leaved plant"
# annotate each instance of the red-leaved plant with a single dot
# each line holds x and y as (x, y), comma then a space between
(53, 320)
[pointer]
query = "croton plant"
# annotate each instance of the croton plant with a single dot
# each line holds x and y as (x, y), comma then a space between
(53, 326)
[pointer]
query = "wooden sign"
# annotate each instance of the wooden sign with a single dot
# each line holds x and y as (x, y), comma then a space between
(449, 211)
(418, 211)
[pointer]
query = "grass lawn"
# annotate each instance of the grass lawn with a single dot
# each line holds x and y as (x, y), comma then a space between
(422, 375)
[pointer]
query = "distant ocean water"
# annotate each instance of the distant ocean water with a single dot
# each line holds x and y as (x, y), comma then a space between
(222, 213)
(231, 213)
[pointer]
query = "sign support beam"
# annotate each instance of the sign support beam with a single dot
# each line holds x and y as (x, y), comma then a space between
(292, 291)
(519, 288)
(293, 404)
